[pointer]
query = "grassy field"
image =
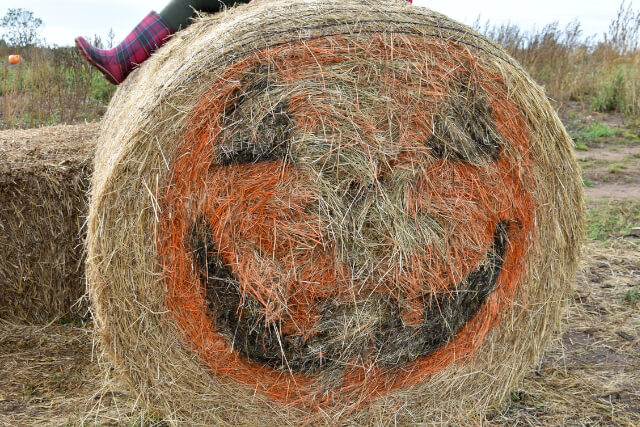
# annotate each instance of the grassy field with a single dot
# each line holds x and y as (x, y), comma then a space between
(590, 374)
(49, 86)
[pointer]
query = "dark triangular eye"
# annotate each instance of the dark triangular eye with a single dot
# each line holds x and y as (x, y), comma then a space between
(463, 128)
(257, 124)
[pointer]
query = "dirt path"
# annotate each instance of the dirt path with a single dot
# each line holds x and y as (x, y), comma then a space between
(608, 152)
(618, 153)
(611, 172)
(613, 190)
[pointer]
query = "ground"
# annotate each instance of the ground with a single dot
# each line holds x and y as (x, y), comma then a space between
(589, 375)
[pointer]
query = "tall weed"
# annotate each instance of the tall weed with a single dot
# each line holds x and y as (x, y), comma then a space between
(603, 75)
(55, 85)
(49, 86)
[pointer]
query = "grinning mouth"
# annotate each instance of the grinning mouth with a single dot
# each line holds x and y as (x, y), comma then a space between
(336, 339)
(371, 329)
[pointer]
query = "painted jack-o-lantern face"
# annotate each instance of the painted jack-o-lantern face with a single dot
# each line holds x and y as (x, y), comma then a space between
(338, 228)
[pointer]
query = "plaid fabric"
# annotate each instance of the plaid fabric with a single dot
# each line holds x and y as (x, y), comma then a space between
(117, 63)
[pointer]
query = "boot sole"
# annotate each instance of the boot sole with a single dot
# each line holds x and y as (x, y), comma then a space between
(107, 75)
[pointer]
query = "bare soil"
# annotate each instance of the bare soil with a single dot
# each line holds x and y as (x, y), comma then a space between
(611, 172)
(610, 164)
(613, 190)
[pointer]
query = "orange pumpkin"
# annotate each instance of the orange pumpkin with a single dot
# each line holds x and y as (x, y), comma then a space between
(14, 59)
(319, 269)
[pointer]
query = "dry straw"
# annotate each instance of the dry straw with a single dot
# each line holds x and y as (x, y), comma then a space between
(330, 212)
(44, 180)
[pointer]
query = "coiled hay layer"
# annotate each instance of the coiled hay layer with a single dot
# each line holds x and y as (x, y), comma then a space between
(320, 211)
(44, 181)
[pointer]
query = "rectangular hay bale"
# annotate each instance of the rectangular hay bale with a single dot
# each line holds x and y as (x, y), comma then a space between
(44, 182)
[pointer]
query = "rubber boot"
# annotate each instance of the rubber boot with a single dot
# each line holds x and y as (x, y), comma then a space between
(118, 62)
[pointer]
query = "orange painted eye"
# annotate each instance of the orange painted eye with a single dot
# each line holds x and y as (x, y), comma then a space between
(320, 248)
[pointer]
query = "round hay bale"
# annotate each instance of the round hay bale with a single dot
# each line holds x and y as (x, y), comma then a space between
(330, 211)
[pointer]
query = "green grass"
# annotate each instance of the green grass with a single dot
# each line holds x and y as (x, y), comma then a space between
(589, 163)
(616, 89)
(599, 130)
(633, 295)
(612, 219)
(30, 391)
(611, 92)
(590, 134)
(101, 89)
(616, 168)
(581, 146)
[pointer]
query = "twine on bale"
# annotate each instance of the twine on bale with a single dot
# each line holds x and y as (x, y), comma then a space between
(346, 213)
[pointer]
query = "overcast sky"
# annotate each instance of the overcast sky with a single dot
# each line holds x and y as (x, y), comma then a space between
(65, 19)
